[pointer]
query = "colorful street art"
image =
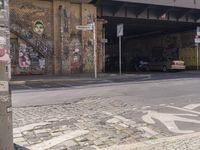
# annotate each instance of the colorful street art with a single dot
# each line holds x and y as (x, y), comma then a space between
(28, 58)
(38, 27)
(42, 46)
(76, 54)
(24, 59)
(31, 25)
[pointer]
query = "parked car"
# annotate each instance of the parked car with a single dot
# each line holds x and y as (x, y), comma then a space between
(166, 64)
(140, 64)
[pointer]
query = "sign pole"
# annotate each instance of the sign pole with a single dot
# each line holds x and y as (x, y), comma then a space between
(91, 27)
(95, 51)
(120, 55)
(120, 33)
(197, 56)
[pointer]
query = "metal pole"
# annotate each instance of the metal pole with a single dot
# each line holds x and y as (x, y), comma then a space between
(197, 56)
(95, 51)
(120, 55)
(62, 38)
(6, 134)
(104, 50)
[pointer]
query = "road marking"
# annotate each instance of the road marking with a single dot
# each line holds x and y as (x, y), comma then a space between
(149, 143)
(113, 121)
(25, 86)
(191, 106)
(148, 130)
(126, 121)
(28, 127)
(183, 109)
(57, 140)
(146, 107)
(162, 105)
(169, 120)
(116, 119)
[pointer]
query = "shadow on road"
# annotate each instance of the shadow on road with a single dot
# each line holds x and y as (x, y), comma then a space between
(17, 147)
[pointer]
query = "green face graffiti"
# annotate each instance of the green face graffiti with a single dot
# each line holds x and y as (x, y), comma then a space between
(38, 27)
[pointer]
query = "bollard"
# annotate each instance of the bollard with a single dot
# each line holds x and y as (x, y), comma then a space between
(6, 135)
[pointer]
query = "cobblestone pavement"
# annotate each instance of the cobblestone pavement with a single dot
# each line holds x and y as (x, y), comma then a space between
(89, 124)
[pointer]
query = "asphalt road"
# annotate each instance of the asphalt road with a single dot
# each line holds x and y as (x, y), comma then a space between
(145, 90)
(168, 103)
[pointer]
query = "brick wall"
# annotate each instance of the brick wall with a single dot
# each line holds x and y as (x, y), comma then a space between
(59, 48)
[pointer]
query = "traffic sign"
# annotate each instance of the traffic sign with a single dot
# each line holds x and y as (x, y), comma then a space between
(104, 40)
(85, 27)
(197, 40)
(120, 30)
(198, 31)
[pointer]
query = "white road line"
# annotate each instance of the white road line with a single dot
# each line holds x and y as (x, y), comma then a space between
(28, 127)
(192, 106)
(57, 140)
(148, 130)
(169, 120)
(183, 109)
(146, 144)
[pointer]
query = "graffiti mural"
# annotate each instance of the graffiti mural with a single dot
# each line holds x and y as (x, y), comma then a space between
(35, 41)
(24, 59)
(76, 53)
(31, 24)
(38, 27)
(90, 17)
(29, 58)
(65, 21)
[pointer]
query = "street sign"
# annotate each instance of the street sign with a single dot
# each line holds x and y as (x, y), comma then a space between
(104, 40)
(85, 27)
(198, 31)
(120, 30)
(197, 40)
(120, 33)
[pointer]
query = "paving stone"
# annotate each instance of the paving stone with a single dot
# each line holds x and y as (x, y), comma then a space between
(101, 117)
(81, 139)
(113, 121)
(76, 147)
(98, 143)
(18, 135)
(69, 143)
(88, 148)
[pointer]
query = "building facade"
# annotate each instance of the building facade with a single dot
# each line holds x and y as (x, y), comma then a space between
(44, 38)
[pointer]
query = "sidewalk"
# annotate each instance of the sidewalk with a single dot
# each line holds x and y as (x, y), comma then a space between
(21, 80)
(91, 124)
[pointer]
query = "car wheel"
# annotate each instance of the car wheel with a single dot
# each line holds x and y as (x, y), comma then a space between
(164, 69)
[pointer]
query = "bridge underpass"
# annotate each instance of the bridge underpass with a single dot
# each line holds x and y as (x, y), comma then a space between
(147, 28)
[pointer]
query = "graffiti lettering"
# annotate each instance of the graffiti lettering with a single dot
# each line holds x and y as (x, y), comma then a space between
(41, 47)
(30, 58)
(29, 36)
(24, 60)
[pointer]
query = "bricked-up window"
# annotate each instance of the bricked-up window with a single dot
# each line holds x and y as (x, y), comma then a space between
(1, 4)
